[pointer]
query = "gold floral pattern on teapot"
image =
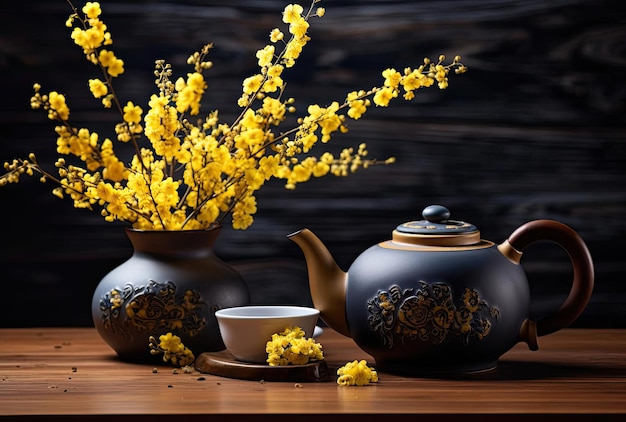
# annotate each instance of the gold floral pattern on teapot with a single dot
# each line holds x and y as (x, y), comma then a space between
(429, 314)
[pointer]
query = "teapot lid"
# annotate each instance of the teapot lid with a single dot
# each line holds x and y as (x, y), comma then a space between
(437, 230)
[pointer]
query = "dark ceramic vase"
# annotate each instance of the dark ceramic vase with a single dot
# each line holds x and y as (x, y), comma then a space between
(173, 283)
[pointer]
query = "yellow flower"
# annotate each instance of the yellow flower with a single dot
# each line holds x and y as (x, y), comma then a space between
(292, 13)
(92, 9)
(290, 347)
(190, 93)
(299, 27)
(275, 109)
(272, 85)
(88, 39)
(415, 79)
(384, 96)
(174, 351)
(106, 58)
(275, 71)
(115, 171)
(293, 50)
(107, 101)
(132, 113)
(356, 373)
(113, 65)
(98, 88)
(276, 35)
(358, 106)
(58, 107)
(392, 78)
(116, 68)
(320, 169)
(265, 55)
(252, 84)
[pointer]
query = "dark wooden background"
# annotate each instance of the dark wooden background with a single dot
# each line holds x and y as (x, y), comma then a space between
(535, 129)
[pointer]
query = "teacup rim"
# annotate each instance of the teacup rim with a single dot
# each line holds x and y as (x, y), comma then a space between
(302, 311)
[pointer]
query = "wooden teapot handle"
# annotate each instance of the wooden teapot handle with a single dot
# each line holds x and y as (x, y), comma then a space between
(580, 257)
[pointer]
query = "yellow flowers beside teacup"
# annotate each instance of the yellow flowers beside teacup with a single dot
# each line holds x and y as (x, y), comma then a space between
(246, 330)
(292, 347)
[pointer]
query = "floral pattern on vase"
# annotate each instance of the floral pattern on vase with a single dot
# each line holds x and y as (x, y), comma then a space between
(153, 307)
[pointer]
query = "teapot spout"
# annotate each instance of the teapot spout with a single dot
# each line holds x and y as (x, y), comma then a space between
(326, 280)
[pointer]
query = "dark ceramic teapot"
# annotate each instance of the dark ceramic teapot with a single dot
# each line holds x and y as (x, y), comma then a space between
(438, 299)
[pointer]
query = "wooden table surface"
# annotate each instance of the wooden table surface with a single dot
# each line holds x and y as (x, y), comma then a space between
(72, 373)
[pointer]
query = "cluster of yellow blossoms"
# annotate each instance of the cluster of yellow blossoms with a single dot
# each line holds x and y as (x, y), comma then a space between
(191, 175)
(290, 347)
(356, 373)
(173, 349)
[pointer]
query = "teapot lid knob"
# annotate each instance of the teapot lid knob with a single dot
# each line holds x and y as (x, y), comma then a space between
(436, 213)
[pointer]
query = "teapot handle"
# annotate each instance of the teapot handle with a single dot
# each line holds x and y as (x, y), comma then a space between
(580, 257)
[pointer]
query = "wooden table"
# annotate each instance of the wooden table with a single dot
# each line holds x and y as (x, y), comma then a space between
(71, 373)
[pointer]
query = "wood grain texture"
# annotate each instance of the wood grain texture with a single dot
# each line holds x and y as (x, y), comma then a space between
(535, 129)
(71, 372)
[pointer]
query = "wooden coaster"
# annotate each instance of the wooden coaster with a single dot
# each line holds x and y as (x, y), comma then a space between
(224, 364)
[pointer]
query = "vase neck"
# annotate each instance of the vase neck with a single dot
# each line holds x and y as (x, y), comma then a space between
(187, 243)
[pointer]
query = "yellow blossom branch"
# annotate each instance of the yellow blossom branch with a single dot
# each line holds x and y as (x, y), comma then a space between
(193, 175)
(112, 95)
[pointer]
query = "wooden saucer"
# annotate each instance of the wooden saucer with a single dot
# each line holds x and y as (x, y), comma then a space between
(224, 364)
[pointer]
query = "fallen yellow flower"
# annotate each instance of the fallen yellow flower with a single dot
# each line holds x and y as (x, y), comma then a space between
(356, 373)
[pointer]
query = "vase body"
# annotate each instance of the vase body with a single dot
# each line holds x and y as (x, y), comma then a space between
(173, 283)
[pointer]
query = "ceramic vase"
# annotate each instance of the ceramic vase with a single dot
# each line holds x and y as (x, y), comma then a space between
(172, 283)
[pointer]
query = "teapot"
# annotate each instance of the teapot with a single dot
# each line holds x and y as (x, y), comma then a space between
(438, 299)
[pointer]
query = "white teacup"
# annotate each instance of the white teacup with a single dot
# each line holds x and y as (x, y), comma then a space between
(247, 329)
